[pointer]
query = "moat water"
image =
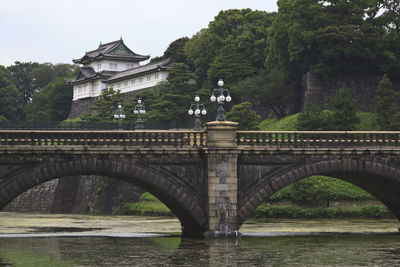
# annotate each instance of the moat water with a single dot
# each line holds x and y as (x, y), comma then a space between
(80, 240)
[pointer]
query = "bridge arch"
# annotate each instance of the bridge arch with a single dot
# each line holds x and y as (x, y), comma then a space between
(173, 192)
(380, 179)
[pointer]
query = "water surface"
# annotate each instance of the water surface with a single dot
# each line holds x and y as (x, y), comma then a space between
(80, 240)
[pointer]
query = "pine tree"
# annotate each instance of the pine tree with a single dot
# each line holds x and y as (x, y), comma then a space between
(387, 106)
(344, 116)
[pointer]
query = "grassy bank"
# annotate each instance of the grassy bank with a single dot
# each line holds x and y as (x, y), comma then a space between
(148, 205)
(294, 212)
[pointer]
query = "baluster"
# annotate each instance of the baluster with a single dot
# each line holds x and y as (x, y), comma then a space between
(377, 139)
(251, 141)
(195, 139)
(85, 139)
(182, 139)
(168, 138)
(45, 139)
(201, 139)
(264, 139)
(149, 135)
(257, 139)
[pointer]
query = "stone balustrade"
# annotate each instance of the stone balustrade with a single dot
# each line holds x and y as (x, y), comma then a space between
(93, 138)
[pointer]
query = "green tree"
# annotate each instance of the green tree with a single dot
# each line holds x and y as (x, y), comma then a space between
(104, 107)
(46, 72)
(11, 99)
(170, 100)
(231, 64)
(344, 116)
(245, 116)
(271, 90)
(175, 51)
(52, 103)
(25, 83)
(333, 36)
(387, 106)
(243, 33)
(314, 119)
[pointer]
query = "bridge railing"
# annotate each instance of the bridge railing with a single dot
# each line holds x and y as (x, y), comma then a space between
(144, 138)
(318, 138)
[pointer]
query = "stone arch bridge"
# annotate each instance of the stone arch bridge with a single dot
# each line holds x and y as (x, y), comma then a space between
(212, 180)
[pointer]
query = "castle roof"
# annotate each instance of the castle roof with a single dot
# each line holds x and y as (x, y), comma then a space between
(114, 50)
(88, 73)
(148, 68)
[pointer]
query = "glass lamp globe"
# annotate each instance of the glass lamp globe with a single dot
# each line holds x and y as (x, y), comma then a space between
(122, 116)
(213, 98)
(204, 112)
(136, 111)
(220, 83)
(228, 98)
(197, 112)
(190, 111)
(197, 98)
(222, 98)
(119, 106)
(115, 116)
(139, 101)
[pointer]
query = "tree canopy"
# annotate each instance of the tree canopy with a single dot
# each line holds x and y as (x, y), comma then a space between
(233, 38)
(335, 36)
(11, 100)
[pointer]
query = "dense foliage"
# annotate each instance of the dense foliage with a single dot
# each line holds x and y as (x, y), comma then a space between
(247, 118)
(33, 91)
(232, 47)
(387, 107)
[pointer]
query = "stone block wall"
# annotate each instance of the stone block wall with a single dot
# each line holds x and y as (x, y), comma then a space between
(319, 91)
(78, 194)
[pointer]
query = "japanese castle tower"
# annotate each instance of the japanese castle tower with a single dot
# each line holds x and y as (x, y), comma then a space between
(115, 65)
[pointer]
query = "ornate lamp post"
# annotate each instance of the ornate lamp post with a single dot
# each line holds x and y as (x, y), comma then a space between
(220, 99)
(139, 110)
(120, 115)
(197, 112)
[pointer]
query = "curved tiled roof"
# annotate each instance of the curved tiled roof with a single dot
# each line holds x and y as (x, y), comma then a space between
(88, 73)
(159, 65)
(105, 51)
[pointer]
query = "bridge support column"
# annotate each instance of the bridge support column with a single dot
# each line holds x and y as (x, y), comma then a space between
(222, 155)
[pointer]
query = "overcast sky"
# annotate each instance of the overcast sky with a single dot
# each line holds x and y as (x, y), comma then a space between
(57, 31)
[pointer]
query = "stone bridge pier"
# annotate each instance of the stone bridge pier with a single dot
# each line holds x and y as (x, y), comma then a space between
(222, 154)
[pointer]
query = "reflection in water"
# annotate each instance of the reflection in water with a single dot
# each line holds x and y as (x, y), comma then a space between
(75, 240)
(324, 249)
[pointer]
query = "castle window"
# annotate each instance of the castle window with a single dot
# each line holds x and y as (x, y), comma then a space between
(148, 77)
(133, 81)
(115, 66)
(140, 80)
(156, 76)
(126, 83)
(98, 66)
(118, 85)
(111, 66)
